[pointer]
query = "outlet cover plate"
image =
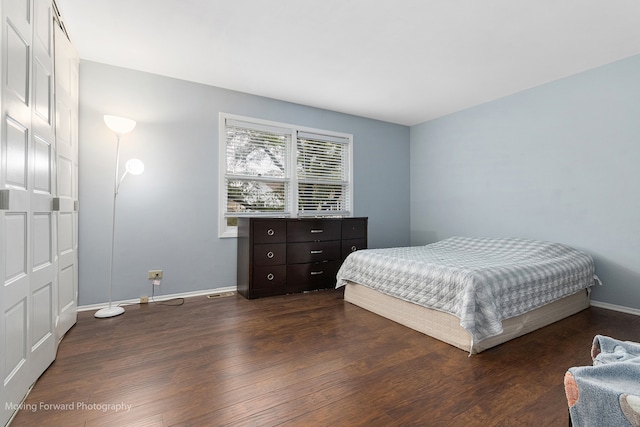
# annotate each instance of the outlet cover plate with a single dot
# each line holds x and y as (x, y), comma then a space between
(155, 274)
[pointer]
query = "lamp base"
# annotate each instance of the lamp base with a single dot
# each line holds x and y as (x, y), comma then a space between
(109, 312)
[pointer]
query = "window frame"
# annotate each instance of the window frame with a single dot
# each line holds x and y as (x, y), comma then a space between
(226, 231)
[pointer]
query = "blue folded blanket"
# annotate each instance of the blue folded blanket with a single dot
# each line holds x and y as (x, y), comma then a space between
(607, 393)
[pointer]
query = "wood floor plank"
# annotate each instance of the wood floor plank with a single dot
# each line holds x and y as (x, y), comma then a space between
(306, 359)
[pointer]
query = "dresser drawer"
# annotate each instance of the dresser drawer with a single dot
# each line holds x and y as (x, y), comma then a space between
(270, 276)
(303, 277)
(270, 254)
(313, 230)
(353, 245)
(305, 252)
(269, 231)
(354, 228)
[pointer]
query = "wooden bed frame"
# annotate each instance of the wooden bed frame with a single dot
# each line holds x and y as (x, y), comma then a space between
(446, 327)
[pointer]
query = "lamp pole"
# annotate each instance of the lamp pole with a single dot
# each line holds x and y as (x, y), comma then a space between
(120, 126)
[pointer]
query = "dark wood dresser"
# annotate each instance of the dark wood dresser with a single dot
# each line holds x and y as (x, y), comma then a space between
(279, 256)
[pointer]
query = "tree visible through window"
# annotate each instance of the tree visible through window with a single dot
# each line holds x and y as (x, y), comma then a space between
(271, 169)
(256, 177)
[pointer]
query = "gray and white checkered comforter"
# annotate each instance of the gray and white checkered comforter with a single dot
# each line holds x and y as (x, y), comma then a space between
(480, 280)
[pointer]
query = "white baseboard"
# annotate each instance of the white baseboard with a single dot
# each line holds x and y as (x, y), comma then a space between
(157, 298)
(594, 303)
(614, 307)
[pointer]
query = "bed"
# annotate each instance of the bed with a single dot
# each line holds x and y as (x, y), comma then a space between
(473, 293)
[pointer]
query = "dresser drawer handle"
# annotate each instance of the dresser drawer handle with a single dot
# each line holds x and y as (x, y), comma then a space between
(317, 231)
(319, 251)
(270, 276)
(270, 232)
(354, 248)
(270, 255)
(316, 273)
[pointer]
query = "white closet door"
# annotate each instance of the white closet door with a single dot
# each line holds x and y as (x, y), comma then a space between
(66, 73)
(44, 270)
(16, 186)
(28, 266)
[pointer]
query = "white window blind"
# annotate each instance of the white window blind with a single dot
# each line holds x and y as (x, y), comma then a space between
(274, 169)
(322, 172)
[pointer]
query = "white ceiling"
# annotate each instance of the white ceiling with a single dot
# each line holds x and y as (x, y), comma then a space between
(401, 61)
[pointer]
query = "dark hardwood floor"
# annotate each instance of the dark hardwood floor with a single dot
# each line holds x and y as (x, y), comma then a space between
(303, 360)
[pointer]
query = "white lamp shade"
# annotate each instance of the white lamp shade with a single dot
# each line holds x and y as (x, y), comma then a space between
(119, 125)
(135, 166)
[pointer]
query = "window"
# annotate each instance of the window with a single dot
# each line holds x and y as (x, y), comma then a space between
(280, 170)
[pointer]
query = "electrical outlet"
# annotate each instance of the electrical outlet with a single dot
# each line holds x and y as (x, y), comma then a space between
(155, 274)
(144, 300)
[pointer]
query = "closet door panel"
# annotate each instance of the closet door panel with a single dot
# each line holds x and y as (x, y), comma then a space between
(15, 225)
(42, 91)
(42, 166)
(17, 67)
(15, 305)
(16, 143)
(15, 344)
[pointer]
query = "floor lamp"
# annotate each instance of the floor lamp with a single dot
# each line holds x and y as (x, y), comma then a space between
(120, 126)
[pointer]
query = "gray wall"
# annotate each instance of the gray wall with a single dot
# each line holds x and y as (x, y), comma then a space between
(559, 162)
(167, 217)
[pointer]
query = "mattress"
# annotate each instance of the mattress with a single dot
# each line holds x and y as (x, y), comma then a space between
(480, 281)
(446, 327)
